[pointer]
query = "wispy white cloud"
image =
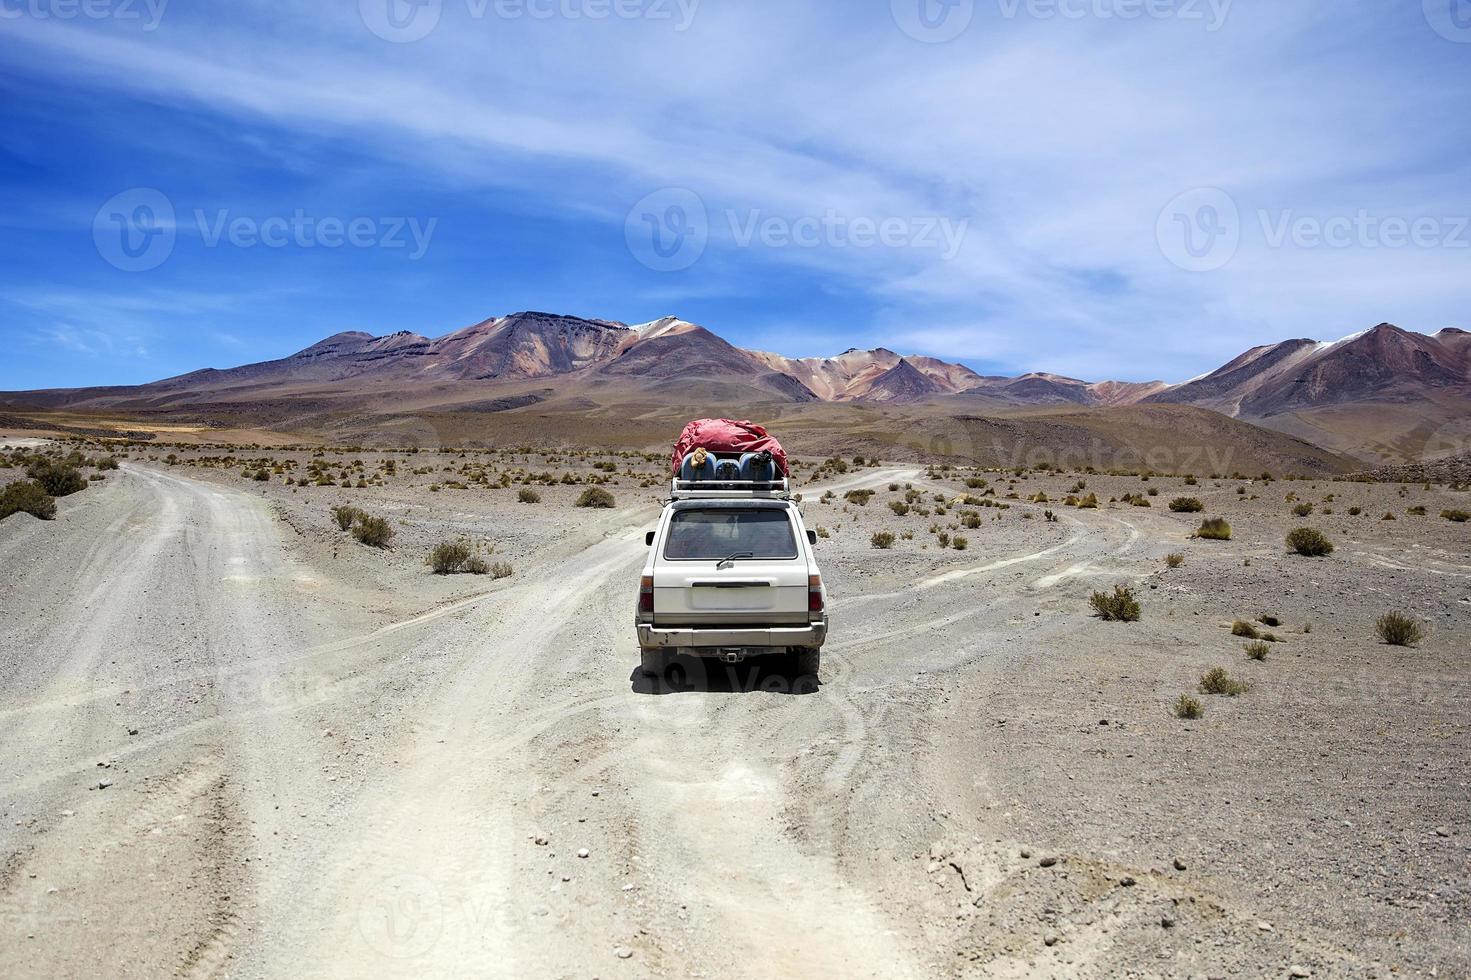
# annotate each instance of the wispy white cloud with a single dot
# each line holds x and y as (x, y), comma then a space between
(1057, 142)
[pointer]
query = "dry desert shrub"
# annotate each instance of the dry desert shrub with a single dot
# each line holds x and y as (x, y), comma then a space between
(346, 516)
(1118, 606)
(1398, 630)
(27, 497)
(882, 540)
(1174, 560)
(373, 531)
(526, 495)
(1186, 505)
(452, 557)
(1459, 516)
(57, 479)
(1244, 629)
(1188, 708)
(1257, 650)
(1309, 542)
(1218, 681)
(1214, 529)
(596, 497)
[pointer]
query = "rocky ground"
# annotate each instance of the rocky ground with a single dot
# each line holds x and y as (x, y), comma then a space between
(239, 742)
(1449, 470)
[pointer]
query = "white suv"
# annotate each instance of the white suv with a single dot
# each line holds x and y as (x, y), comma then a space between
(731, 575)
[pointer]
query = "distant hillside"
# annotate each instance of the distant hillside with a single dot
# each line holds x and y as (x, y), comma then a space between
(1384, 395)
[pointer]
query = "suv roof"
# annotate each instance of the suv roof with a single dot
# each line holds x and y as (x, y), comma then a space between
(734, 503)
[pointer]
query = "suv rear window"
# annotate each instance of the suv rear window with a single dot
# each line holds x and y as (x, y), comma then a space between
(759, 533)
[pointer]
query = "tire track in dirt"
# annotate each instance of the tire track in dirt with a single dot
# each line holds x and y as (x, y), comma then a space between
(154, 554)
(431, 826)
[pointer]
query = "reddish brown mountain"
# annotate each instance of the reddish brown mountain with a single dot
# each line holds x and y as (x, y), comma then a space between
(1385, 394)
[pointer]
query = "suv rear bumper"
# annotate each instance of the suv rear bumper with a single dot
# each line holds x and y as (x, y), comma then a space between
(683, 637)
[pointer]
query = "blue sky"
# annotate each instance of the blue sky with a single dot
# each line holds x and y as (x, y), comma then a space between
(1127, 189)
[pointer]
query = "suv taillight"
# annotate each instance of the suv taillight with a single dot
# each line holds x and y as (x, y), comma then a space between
(646, 594)
(814, 593)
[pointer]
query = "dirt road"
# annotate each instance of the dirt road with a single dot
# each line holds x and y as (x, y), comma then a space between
(217, 762)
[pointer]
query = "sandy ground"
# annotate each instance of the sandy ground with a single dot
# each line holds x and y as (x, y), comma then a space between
(238, 743)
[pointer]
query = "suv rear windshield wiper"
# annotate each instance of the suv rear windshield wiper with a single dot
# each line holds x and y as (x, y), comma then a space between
(729, 560)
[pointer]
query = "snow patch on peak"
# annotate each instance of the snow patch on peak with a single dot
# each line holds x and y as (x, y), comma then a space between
(1347, 340)
(662, 327)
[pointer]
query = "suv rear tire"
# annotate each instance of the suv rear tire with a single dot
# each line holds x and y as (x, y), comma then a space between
(808, 662)
(654, 661)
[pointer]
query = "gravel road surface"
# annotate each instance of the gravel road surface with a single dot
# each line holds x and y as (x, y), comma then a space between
(229, 751)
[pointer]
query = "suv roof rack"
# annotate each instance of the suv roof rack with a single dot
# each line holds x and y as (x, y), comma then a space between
(778, 489)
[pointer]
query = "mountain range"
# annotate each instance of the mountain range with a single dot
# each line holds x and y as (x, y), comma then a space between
(1381, 394)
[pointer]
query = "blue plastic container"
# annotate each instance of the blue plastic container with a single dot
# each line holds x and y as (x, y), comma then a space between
(758, 467)
(689, 471)
(728, 469)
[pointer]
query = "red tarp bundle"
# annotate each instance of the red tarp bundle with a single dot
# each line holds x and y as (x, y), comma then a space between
(728, 436)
